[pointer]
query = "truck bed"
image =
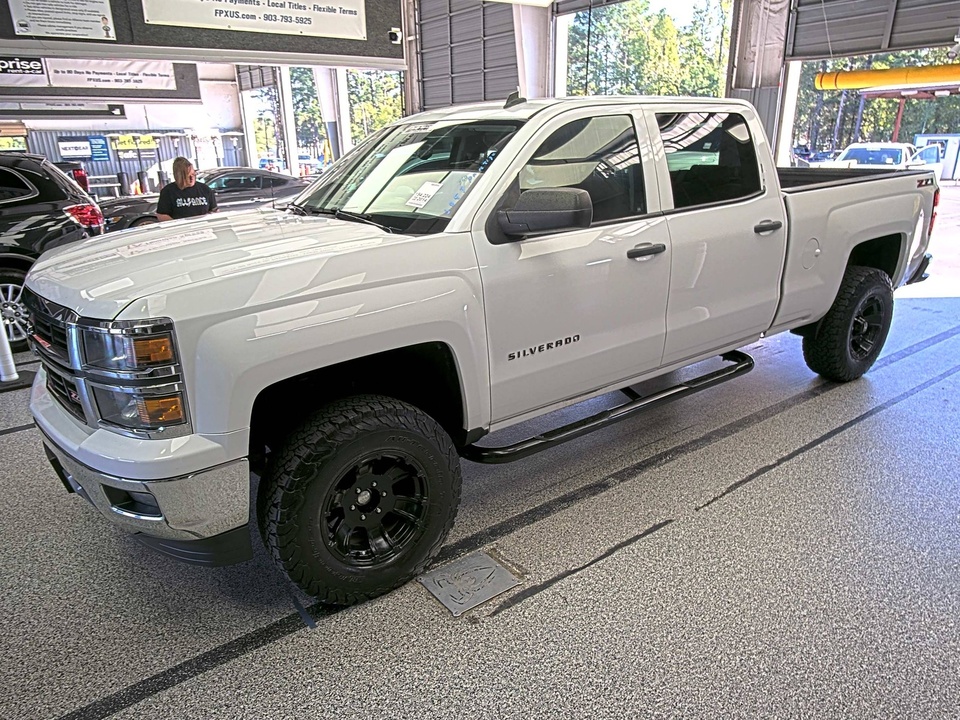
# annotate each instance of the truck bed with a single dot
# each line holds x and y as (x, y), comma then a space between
(799, 179)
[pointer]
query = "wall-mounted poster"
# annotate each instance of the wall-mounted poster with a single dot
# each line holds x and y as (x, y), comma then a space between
(336, 19)
(74, 19)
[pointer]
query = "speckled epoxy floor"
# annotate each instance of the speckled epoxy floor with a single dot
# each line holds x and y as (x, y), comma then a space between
(774, 547)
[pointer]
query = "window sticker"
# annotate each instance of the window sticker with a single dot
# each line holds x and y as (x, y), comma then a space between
(422, 196)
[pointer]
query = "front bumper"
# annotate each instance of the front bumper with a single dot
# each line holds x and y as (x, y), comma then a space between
(197, 516)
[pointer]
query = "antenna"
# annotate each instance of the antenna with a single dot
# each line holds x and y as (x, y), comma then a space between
(514, 99)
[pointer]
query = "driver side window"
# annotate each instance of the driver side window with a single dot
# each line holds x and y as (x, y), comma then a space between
(599, 155)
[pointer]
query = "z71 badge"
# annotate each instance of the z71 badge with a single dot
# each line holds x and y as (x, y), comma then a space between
(926, 182)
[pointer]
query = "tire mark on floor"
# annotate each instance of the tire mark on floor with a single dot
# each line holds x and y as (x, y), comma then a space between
(529, 592)
(18, 428)
(829, 435)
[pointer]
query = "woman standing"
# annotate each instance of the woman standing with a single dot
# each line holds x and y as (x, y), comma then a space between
(185, 197)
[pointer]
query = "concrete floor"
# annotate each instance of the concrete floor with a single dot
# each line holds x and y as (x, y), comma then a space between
(776, 547)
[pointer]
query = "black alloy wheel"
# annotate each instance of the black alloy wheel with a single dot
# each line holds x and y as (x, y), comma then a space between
(376, 510)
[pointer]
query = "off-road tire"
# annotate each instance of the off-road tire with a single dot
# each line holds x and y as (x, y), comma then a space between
(853, 331)
(12, 279)
(391, 456)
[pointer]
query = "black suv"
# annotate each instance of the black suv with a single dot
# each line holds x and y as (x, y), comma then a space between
(40, 208)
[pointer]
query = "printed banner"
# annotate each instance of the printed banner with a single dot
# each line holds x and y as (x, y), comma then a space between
(338, 18)
(83, 19)
(111, 74)
(20, 71)
(131, 142)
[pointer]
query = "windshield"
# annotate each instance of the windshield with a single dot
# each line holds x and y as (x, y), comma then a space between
(409, 178)
(873, 156)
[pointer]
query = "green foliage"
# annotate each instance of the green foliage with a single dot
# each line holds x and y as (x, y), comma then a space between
(627, 49)
(306, 110)
(818, 111)
(376, 99)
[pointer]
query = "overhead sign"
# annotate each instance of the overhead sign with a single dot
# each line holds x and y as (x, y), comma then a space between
(60, 110)
(336, 19)
(73, 19)
(104, 75)
(73, 147)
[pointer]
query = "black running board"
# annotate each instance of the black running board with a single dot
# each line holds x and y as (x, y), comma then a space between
(742, 364)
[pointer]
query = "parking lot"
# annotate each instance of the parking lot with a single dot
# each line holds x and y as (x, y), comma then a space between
(779, 546)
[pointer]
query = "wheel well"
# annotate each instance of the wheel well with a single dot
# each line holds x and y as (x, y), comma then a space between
(882, 253)
(19, 262)
(423, 375)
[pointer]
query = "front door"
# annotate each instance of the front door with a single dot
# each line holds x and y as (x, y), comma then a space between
(569, 313)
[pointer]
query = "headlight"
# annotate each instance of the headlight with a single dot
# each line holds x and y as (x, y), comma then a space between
(132, 369)
(130, 409)
(129, 349)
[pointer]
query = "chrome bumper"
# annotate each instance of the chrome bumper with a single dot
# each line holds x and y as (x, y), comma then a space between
(194, 507)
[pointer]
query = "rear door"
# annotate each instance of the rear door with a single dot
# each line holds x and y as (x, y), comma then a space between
(727, 228)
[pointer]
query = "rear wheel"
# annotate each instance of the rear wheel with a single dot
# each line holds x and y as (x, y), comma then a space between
(855, 328)
(360, 498)
(12, 309)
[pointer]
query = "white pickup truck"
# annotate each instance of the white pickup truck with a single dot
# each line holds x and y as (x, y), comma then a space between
(322, 371)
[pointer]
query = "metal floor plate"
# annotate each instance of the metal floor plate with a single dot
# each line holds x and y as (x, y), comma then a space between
(464, 584)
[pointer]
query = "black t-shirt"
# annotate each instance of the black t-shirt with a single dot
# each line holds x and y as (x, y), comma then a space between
(189, 202)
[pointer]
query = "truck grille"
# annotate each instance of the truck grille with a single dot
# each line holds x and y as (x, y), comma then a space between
(65, 391)
(49, 327)
(48, 336)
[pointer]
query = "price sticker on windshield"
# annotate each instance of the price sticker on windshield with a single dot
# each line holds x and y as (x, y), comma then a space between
(422, 196)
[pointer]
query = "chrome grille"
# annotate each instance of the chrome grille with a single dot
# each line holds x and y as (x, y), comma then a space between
(65, 391)
(48, 323)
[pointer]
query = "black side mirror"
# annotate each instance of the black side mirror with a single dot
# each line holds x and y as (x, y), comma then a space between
(547, 210)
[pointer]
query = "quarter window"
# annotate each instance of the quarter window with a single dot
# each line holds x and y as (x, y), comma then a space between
(599, 155)
(711, 157)
(12, 186)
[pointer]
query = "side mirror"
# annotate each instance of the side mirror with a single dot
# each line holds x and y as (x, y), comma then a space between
(547, 210)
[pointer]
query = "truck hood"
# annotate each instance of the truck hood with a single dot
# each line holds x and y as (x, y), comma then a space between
(98, 277)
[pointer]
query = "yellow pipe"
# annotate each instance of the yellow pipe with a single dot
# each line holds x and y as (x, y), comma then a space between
(861, 79)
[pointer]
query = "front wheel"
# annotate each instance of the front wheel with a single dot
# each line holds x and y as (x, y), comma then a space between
(360, 498)
(12, 310)
(853, 331)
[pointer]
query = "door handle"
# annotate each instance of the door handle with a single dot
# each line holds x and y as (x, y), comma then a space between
(767, 226)
(644, 250)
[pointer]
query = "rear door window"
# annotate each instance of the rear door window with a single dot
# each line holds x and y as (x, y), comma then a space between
(711, 157)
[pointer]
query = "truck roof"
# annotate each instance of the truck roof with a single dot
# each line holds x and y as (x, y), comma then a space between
(528, 108)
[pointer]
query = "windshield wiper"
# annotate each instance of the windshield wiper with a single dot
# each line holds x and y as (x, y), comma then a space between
(298, 209)
(347, 215)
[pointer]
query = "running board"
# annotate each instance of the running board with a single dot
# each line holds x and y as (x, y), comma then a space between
(742, 364)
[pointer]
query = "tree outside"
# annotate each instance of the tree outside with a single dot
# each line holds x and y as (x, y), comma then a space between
(630, 49)
(376, 99)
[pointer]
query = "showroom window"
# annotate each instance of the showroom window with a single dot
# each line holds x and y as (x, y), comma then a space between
(711, 157)
(599, 155)
(12, 186)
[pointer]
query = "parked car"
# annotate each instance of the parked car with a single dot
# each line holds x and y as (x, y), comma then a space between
(40, 208)
(463, 271)
(237, 188)
(889, 155)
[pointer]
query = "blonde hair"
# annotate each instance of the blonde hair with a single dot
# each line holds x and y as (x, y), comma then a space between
(181, 168)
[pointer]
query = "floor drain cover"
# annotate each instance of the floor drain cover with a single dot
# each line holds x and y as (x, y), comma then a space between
(464, 584)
